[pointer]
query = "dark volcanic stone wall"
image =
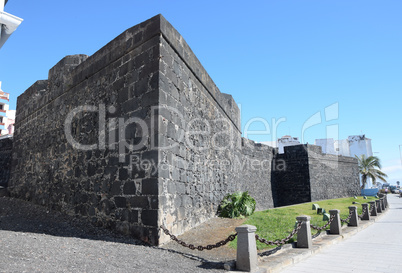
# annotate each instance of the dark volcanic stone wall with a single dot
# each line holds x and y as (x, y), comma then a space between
(311, 175)
(254, 168)
(146, 89)
(100, 95)
(6, 146)
(291, 185)
(204, 157)
(332, 176)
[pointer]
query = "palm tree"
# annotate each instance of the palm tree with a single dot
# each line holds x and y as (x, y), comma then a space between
(370, 167)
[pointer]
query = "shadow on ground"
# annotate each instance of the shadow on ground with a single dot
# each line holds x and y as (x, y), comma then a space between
(21, 216)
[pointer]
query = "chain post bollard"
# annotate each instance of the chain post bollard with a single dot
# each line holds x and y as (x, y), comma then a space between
(304, 239)
(378, 204)
(353, 221)
(373, 208)
(366, 212)
(246, 248)
(382, 201)
(335, 226)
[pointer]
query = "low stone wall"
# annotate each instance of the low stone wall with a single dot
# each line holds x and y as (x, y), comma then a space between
(332, 176)
(254, 167)
(6, 146)
(311, 175)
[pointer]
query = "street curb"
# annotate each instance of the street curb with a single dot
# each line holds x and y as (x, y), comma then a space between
(288, 256)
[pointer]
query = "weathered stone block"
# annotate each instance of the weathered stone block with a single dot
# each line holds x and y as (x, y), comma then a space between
(129, 188)
(149, 217)
(150, 186)
(121, 202)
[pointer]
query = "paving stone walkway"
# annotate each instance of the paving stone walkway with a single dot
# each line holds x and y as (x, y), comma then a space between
(378, 248)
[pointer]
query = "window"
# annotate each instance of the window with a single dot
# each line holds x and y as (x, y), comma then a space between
(1, 107)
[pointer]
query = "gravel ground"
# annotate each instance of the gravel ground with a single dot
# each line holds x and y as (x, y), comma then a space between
(34, 239)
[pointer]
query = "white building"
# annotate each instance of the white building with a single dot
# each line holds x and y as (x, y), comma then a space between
(287, 141)
(354, 145)
(7, 116)
(327, 145)
(8, 23)
(282, 143)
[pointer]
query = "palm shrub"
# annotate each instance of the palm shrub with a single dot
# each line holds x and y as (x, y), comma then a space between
(370, 167)
(238, 204)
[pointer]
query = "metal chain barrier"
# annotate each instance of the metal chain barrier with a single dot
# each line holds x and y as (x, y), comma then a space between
(324, 226)
(280, 242)
(363, 212)
(346, 220)
(200, 248)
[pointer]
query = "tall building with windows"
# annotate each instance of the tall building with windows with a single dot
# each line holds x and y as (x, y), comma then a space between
(8, 23)
(7, 116)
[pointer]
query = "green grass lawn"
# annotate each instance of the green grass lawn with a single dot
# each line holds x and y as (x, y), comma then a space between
(278, 223)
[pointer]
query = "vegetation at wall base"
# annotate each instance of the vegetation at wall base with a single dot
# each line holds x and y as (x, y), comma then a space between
(278, 223)
(238, 204)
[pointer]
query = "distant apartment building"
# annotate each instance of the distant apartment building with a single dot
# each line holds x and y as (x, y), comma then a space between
(354, 145)
(7, 116)
(8, 23)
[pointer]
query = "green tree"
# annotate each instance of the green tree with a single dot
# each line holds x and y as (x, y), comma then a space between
(370, 167)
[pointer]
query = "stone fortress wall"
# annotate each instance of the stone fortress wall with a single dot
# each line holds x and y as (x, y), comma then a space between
(6, 146)
(138, 135)
(312, 176)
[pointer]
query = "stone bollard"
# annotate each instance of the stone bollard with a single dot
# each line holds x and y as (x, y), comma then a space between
(382, 201)
(246, 248)
(366, 212)
(373, 208)
(335, 226)
(304, 239)
(378, 204)
(386, 201)
(354, 220)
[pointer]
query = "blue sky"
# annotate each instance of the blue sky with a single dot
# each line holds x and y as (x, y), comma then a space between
(278, 59)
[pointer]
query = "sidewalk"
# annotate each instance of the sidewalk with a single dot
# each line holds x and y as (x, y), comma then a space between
(377, 248)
